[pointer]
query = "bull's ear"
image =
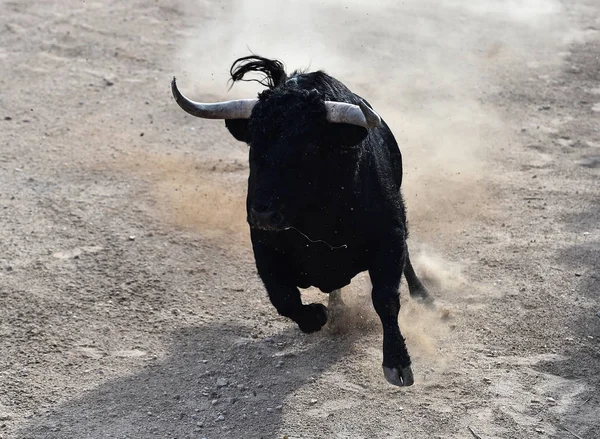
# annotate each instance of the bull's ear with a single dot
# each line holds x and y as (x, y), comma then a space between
(239, 129)
(345, 134)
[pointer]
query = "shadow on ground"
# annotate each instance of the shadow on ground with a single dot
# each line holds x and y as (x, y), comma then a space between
(214, 382)
(582, 362)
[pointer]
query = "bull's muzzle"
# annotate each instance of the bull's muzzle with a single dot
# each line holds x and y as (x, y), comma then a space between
(266, 219)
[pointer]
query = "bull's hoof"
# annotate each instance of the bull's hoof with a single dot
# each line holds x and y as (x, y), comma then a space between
(312, 318)
(403, 377)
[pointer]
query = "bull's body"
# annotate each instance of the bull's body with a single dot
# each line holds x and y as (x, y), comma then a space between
(324, 203)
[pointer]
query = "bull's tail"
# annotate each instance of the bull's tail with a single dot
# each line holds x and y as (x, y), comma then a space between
(415, 287)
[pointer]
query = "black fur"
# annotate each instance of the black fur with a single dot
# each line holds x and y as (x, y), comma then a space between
(324, 201)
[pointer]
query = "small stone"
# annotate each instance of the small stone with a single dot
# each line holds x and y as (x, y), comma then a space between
(312, 402)
(269, 409)
(487, 380)
(221, 382)
(220, 418)
(539, 430)
(578, 274)
(535, 401)
(204, 361)
(7, 118)
(550, 399)
(214, 402)
(279, 363)
(279, 407)
(132, 238)
(200, 424)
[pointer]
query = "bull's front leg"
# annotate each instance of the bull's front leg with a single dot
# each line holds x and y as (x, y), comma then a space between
(284, 296)
(385, 277)
(287, 301)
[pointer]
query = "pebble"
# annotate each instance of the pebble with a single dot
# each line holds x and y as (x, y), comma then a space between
(487, 380)
(221, 382)
(132, 238)
(550, 399)
(220, 418)
(312, 401)
(279, 363)
(269, 409)
(539, 430)
(214, 402)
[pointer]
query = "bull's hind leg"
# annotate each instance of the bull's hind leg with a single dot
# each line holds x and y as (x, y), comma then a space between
(415, 287)
(335, 298)
(335, 305)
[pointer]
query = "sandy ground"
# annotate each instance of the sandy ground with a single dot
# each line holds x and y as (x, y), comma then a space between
(129, 303)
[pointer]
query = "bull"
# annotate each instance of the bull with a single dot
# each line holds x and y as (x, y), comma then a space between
(324, 201)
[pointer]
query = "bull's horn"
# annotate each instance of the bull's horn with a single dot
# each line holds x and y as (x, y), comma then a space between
(239, 109)
(361, 114)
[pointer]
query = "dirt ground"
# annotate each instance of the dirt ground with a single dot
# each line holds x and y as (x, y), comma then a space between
(129, 302)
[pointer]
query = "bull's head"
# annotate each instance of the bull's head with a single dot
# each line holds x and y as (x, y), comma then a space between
(291, 130)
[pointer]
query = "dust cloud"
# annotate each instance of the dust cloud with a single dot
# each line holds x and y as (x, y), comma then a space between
(426, 66)
(431, 68)
(203, 195)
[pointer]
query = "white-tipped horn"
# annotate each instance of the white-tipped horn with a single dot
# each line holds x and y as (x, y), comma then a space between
(238, 109)
(361, 115)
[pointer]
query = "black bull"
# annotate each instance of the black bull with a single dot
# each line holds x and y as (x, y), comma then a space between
(324, 200)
